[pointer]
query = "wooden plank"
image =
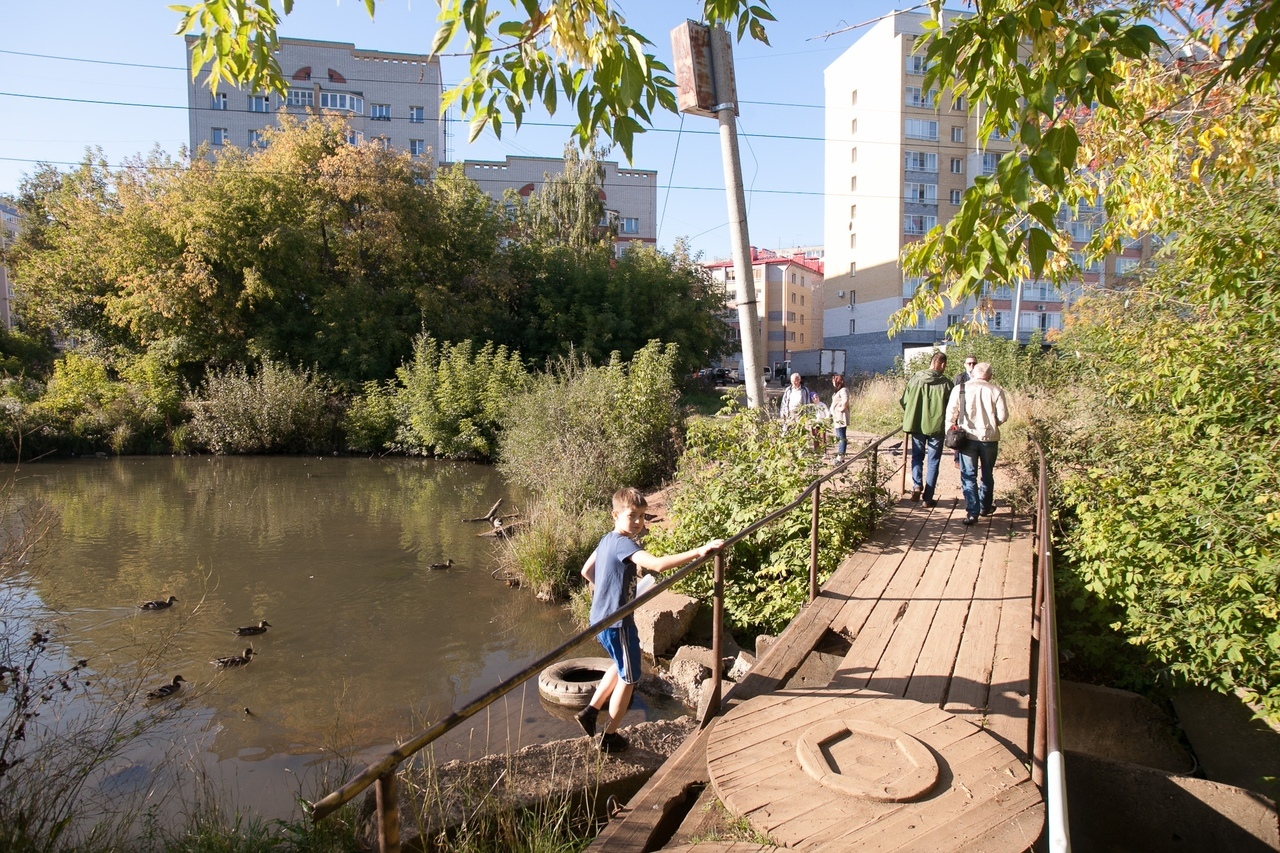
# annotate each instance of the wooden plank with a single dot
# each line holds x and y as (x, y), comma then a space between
(937, 659)
(971, 677)
(1009, 702)
(898, 661)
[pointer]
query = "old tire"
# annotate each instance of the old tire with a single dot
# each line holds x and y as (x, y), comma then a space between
(572, 682)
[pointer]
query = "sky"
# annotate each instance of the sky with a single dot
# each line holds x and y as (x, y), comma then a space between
(83, 73)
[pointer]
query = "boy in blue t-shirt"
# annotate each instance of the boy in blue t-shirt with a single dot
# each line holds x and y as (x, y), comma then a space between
(612, 570)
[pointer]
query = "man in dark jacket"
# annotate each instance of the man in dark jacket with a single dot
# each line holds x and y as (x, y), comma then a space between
(924, 405)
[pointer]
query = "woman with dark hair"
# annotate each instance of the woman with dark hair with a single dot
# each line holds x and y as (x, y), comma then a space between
(840, 415)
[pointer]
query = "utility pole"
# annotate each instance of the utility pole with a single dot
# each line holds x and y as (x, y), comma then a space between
(705, 86)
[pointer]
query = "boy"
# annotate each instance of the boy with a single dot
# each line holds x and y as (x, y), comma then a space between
(612, 570)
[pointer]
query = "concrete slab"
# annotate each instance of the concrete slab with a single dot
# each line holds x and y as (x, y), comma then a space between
(1121, 726)
(1231, 744)
(663, 623)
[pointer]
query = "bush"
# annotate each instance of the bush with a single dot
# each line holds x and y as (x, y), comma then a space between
(276, 410)
(453, 400)
(581, 432)
(736, 471)
(548, 554)
(370, 422)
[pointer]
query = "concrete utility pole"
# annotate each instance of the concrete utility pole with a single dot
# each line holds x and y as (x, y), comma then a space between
(705, 84)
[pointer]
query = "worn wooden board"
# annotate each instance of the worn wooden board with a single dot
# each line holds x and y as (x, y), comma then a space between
(1009, 701)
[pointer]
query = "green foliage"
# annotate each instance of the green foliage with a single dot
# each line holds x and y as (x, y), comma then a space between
(736, 471)
(1014, 366)
(22, 353)
(581, 431)
(274, 410)
(547, 554)
(369, 422)
(454, 401)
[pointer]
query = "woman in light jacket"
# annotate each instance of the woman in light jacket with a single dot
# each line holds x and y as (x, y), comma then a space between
(983, 412)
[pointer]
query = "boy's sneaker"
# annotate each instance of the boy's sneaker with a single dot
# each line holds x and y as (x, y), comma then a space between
(611, 742)
(587, 719)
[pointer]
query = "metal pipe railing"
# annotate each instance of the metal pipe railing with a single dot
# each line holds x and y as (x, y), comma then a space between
(382, 772)
(1048, 770)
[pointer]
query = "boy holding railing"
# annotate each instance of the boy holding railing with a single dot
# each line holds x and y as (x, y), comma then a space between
(612, 569)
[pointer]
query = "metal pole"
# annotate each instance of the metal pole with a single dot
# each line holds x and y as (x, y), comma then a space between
(813, 545)
(753, 354)
(717, 632)
(388, 813)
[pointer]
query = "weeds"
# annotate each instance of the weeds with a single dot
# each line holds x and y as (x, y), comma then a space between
(549, 552)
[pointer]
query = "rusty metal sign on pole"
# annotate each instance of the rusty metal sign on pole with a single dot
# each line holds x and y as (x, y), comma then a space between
(705, 86)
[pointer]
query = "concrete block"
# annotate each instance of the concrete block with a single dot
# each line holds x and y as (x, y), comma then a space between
(741, 666)
(763, 642)
(1121, 726)
(663, 622)
(1232, 744)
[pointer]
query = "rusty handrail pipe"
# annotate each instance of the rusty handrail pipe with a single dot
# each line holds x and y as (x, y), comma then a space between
(332, 802)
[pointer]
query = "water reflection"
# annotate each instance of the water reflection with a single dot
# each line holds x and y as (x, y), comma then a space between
(367, 643)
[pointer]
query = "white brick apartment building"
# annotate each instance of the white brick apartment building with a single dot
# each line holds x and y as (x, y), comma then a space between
(896, 165)
(391, 96)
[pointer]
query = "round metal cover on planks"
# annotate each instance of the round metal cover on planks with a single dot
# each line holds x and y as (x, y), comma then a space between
(809, 768)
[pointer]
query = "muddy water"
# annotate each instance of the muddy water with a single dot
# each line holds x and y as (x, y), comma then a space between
(367, 643)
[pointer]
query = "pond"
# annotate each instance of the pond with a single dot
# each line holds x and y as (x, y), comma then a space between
(368, 643)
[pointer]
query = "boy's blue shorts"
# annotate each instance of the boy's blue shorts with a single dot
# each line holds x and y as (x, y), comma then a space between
(622, 642)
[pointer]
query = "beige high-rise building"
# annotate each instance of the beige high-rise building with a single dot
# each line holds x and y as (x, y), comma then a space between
(10, 220)
(898, 158)
(392, 97)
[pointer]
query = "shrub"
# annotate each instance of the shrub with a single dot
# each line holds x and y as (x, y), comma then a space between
(370, 421)
(581, 432)
(453, 400)
(548, 554)
(739, 469)
(276, 410)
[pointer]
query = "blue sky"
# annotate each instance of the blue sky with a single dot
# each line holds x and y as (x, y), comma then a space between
(780, 87)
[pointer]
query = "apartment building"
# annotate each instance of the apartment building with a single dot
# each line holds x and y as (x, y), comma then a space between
(389, 97)
(10, 220)
(630, 196)
(789, 288)
(898, 158)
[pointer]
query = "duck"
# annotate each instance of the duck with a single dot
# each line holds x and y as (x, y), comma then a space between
(250, 630)
(234, 660)
(446, 564)
(166, 690)
(158, 604)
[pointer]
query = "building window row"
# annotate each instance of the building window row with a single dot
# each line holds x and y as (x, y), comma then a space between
(918, 97)
(916, 64)
(918, 192)
(919, 128)
(920, 161)
(916, 224)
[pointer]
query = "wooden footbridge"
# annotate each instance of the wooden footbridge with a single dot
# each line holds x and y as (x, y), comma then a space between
(933, 624)
(911, 705)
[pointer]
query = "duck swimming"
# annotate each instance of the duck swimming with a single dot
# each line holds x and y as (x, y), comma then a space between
(250, 630)
(158, 604)
(234, 660)
(446, 564)
(166, 690)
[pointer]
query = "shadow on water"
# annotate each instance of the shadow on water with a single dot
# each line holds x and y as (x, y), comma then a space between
(367, 645)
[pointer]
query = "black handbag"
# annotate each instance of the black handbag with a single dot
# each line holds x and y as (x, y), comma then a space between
(955, 439)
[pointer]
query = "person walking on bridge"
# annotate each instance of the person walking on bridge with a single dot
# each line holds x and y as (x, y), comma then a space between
(980, 418)
(924, 406)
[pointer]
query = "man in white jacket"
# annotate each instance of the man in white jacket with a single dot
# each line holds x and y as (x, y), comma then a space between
(983, 411)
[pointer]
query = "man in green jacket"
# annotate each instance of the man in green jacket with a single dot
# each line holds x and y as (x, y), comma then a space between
(924, 404)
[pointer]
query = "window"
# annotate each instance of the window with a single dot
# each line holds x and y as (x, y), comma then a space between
(1081, 232)
(956, 196)
(630, 225)
(802, 305)
(354, 137)
(853, 298)
(383, 142)
(913, 223)
(417, 147)
(853, 211)
(853, 155)
(220, 101)
(259, 104)
(218, 136)
(989, 161)
(380, 112)
(802, 335)
(755, 273)
(924, 193)
(853, 241)
(853, 184)
(1085, 264)
(1124, 266)
(416, 115)
(909, 286)
(853, 269)
(853, 100)
(917, 97)
(919, 128)
(957, 166)
(853, 127)
(916, 64)
(791, 336)
(256, 140)
(302, 98)
(852, 326)
(957, 134)
(342, 101)
(957, 105)
(793, 302)
(920, 161)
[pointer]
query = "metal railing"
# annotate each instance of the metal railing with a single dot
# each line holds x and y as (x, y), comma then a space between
(382, 773)
(1047, 769)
